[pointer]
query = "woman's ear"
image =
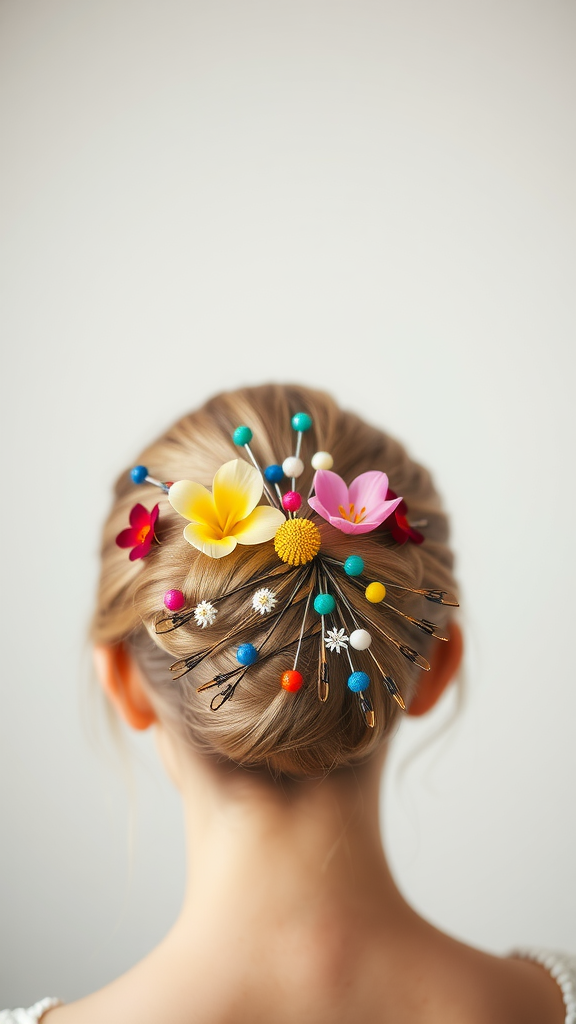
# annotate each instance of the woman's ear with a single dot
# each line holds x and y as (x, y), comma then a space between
(444, 663)
(122, 682)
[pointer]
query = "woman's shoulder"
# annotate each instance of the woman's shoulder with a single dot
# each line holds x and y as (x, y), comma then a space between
(561, 966)
(30, 1016)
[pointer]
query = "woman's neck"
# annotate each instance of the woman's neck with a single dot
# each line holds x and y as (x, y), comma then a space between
(291, 851)
(291, 914)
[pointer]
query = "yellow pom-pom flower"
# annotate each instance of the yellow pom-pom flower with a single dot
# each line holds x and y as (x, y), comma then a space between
(297, 541)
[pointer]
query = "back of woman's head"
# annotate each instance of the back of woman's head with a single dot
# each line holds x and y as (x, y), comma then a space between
(264, 725)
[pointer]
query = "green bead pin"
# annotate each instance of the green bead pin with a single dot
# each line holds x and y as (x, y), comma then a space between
(293, 466)
(242, 437)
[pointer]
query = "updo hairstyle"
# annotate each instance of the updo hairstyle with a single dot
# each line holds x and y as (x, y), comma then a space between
(264, 726)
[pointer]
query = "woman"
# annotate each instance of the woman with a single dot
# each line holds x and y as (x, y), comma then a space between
(273, 631)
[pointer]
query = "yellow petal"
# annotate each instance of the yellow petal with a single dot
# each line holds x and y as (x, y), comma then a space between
(194, 502)
(237, 489)
(203, 538)
(259, 526)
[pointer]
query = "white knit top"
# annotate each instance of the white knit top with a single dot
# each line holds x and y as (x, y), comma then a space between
(561, 966)
(30, 1016)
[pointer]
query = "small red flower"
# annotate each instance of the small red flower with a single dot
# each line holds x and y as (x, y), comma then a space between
(140, 533)
(398, 523)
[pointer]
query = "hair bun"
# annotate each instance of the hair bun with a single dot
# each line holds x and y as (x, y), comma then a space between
(303, 650)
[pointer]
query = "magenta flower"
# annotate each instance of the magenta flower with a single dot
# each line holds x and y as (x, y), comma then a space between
(140, 533)
(355, 509)
(399, 526)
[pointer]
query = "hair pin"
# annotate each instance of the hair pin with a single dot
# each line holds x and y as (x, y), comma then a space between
(242, 437)
(140, 475)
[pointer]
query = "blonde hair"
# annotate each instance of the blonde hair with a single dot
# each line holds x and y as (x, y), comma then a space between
(264, 726)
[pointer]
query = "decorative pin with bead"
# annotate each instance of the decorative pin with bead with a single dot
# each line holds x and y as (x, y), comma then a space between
(301, 422)
(140, 475)
(320, 460)
(375, 592)
(242, 437)
(274, 474)
(358, 681)
(360, 639)
(293, 465)
(354, 565)
(292, 680)
(174, 600)
(291, 501)
(246, 654)
(324, 604)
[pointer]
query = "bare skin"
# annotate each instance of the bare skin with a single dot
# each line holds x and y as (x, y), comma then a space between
(291, 913)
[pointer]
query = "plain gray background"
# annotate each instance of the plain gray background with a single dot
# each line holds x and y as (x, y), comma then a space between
(373, 197)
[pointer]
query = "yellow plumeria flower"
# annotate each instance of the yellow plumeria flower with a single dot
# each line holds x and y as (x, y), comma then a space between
(229, 515)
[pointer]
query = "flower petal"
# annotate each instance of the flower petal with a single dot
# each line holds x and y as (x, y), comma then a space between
(141, 550)
(202, 537)
(330, 491)
(194, 502)
(378, 513)
(127, 538)
(347, 527)
(236, 490)
(318, 507)
(259, 526)
(139, 516)
(402, 507)
(369, 491)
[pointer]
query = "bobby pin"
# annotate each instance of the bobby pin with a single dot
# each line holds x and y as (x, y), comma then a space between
(408, 652)
(220, 698)
(247, 654)
(356, 679)
(436, 596)
(387, 679)
(180, 618)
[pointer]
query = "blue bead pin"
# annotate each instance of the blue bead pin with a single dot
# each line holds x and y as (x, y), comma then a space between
(140, 475)
(359, 682)
(246, 654)
(274, 474)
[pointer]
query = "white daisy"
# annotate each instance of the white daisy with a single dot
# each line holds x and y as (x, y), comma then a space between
(263, 600)
(205, 613)
(336, 640)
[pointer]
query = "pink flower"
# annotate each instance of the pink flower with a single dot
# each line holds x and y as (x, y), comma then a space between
(140, 533)
(355, 509)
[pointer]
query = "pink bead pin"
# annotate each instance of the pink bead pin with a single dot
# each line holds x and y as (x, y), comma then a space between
(292, 501)
(174, 600)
